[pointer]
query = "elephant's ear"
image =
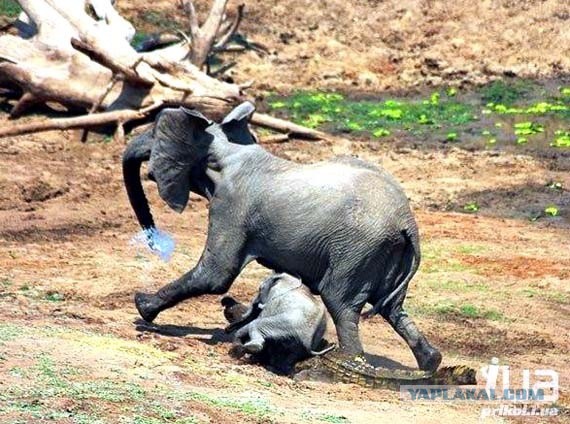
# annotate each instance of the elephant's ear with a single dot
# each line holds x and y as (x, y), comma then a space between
(180, 142)
(235, 124)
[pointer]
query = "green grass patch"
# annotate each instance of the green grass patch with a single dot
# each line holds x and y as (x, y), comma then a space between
(548, 295)
(452, 309)
(326, 418)
(317, 109)
(442, 116)
(10, 8)
(456, 286)
(52, 296)
(507, 92)
(445, 265)
(141, 419)
(437, 257)
(259, 408)
(10, 332)
(471, 249)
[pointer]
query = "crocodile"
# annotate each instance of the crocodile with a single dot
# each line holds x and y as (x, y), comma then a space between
(337, 366)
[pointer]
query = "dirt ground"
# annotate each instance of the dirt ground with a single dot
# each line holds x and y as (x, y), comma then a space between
(68, 275)
(491, 284)
(389, 44)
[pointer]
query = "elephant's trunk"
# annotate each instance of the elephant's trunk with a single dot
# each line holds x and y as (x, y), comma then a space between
(138, 151)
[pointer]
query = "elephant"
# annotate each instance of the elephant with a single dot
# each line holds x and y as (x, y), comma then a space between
(284, 324)
(343, 226)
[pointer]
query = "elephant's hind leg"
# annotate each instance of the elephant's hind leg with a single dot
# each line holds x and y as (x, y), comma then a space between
(426, 355)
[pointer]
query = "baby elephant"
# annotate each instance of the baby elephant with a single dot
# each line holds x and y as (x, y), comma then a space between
(283, 325)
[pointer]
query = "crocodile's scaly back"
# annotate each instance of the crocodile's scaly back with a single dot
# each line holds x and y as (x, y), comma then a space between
(339, 367)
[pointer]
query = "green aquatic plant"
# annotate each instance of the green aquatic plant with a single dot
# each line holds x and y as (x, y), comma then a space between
(316, 109)
(380, 132)
(434, 99)
(522, 140)
(540, 108)
(528, 128)
(562, 139)
(451, 92)
(551, 210)
(278, 105)
(353, 125)
(452, 136)
(545, 107)
(471, 207)
(424, 120)
(392, 112)
(314, 120)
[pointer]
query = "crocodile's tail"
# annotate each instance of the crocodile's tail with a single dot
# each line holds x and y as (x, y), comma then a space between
(409, 264)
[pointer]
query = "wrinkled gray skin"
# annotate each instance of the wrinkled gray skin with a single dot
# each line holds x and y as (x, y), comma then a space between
(284, 324)
(343, 226)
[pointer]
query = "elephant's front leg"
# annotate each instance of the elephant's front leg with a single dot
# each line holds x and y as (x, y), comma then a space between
(220, 264)
(344, 308)
(251, 338)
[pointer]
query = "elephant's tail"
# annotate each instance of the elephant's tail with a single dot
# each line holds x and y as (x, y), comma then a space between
(137, 152)
(409, 264)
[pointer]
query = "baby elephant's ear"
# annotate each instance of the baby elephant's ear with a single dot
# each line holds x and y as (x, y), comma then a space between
(179, 144)
(235, 124)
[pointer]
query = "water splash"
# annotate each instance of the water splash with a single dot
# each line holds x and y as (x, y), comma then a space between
(157, 241)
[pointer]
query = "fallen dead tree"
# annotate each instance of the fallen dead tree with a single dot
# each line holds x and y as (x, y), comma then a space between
(78, 54)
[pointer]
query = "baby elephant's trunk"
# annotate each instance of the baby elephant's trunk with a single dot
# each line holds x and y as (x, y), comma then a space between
(234, 311)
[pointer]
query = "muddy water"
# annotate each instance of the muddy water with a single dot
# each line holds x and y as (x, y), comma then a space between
(501, 128)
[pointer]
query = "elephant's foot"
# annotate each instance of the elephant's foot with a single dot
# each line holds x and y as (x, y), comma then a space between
(428, 357)
(148, 305)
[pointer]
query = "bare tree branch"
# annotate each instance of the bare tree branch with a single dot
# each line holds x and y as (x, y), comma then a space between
(27, 100)
(94, 120)
(77, 61)
(287, 127)
(229, 32)
(203, 37)
(108, 62)
(190, 10)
